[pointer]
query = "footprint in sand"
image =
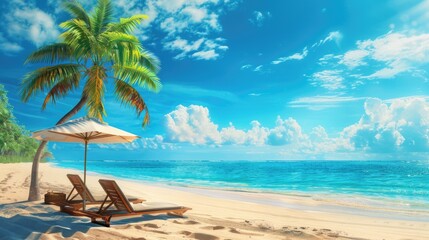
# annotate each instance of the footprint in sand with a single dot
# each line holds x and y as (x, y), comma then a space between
(203, 236)
(335, 235)
(189, 222)
(187, 233)
(151, 225)
(213, 227)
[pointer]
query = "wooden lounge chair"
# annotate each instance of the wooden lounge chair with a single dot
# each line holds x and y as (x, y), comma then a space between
(82, 190)
(125, 208)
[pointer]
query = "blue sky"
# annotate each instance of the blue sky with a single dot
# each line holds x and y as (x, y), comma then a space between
(253, 79)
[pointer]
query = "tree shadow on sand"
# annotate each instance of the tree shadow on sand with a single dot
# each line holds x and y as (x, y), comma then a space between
(31, 221)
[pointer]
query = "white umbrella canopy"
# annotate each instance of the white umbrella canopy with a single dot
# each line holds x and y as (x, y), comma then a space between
(84, 130)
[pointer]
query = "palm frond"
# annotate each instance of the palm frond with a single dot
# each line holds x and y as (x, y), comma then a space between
(150, 61)
(46, 77)
(61, 88)
(77, 11)
(127, 25)
(130, 96)
(79, 37)
(138, 75)
(56, 52)
(125, 48)
(94, 89)
(101, 16)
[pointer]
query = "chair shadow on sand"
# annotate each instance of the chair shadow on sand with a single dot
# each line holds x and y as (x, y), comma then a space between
(31, 221)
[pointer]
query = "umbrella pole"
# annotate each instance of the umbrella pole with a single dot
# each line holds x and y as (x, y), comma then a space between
(84, 175)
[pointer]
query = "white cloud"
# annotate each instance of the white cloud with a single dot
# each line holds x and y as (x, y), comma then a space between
(172, 26)
(246, 66)
(322, 102)
(332, 36)
(354, 58)
(329, 79)
(195, 14)
(296, 56)
(183, 46)
(401, 126)
(392, 53)
(24, 21)
(170, 6)
(384, 57)
(9, 47)
(206, 55)
(258, 68)
(257, 135)
(398, 51)
(192, 124)
(189, 20)
(335, 36)
(285, 132)
(156, 142)
(202, 48)
(258, 18)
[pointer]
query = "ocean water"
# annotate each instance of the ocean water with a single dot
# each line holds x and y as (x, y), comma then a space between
(404, 182)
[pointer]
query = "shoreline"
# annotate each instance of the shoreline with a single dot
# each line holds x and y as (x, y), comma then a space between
(353, 204)
(265, 215)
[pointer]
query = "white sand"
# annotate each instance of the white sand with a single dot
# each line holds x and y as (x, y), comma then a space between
(215, 214)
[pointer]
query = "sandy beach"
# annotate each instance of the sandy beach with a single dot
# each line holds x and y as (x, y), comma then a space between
(215, 214)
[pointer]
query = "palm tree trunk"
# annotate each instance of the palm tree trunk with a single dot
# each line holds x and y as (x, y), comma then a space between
(34, 193)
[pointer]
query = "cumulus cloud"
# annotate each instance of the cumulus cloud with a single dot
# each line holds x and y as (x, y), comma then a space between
(401, 126)
(156, 142)
(192, 124)
(386, 127)
(285, 132)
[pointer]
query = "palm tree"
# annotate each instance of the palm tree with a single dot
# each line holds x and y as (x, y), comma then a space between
(91, 50)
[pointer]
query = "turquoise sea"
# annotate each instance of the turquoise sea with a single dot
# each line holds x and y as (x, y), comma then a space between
(404, 182)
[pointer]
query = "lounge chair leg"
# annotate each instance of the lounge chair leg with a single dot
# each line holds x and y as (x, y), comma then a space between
(178, 213)
(105, 222)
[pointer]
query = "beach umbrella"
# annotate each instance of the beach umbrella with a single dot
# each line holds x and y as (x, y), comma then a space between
(84, 130)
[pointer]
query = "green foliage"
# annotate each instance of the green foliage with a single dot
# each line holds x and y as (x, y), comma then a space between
(91, 49)
(15, 143)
